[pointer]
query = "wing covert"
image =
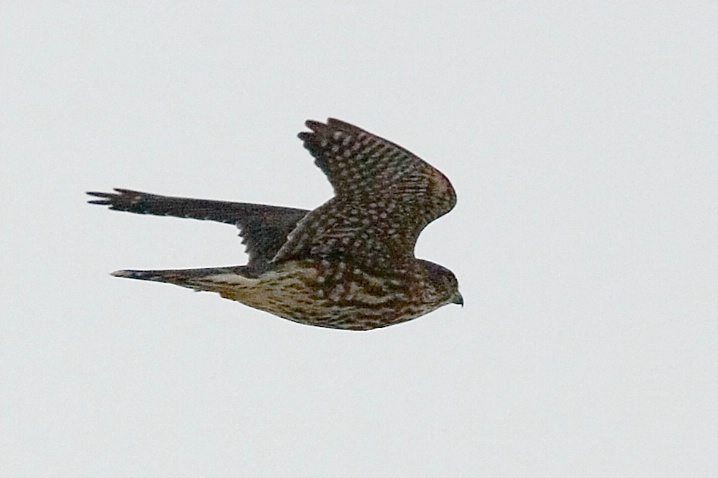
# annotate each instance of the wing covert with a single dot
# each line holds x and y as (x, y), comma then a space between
(384, 197)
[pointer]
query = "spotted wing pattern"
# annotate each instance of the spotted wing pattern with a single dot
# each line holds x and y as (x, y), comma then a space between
(264, 229)
(384, 197)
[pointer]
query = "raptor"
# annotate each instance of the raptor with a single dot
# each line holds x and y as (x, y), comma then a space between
(349, 263)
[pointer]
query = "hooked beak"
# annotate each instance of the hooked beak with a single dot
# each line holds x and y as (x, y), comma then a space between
(458, 299)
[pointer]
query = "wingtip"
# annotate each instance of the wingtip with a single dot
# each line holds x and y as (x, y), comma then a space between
(314, 125)
(332, 125)
(329, 122)
(103, 198)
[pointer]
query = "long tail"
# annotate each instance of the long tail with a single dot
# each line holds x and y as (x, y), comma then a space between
(191, 278)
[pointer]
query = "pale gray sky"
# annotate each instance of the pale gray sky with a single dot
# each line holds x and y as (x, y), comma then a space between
(581, 140)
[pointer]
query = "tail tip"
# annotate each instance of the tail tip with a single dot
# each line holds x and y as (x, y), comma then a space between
(159, 276)
(126, 274)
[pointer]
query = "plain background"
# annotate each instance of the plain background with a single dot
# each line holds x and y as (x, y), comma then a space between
(581, 138)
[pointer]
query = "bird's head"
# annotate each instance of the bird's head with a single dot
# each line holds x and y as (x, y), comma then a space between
(444, 284)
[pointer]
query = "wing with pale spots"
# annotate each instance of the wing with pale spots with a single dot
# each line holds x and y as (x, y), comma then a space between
(384, 197)
(264, 229)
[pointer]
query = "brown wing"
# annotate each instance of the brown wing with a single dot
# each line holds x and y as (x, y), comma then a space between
(264, 229)
(384, 197)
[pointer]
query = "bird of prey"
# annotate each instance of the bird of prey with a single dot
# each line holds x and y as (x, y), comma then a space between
(348, 264)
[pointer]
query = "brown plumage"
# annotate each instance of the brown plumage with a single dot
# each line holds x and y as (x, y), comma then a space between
(348, 264)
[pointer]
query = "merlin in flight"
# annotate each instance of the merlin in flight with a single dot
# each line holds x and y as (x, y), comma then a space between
(348, 264)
